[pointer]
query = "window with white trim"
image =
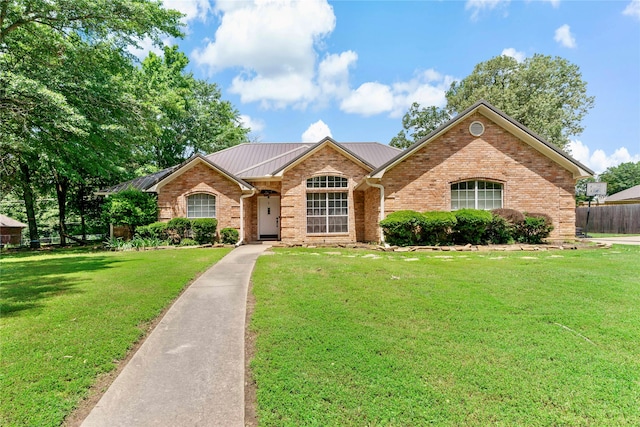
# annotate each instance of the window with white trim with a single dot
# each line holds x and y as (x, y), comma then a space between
(327, 211)
(201, 206)
(485, 195)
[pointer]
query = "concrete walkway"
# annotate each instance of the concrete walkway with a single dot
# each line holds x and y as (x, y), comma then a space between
(622, 240)
(190, 370)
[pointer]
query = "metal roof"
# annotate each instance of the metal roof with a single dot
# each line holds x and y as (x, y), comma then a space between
(258, 160)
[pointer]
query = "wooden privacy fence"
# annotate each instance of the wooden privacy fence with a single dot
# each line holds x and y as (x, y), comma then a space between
(623, 219)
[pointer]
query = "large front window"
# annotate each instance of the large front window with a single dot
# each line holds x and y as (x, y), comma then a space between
(327, 211)
(201, 206)
(476, 195)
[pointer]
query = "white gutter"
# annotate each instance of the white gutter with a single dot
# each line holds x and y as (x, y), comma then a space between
(381, 188)
(242, 197)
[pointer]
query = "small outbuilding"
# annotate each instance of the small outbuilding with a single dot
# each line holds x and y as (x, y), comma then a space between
(10, 231)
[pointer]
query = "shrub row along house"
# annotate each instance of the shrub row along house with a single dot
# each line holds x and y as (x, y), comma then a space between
(330, 192)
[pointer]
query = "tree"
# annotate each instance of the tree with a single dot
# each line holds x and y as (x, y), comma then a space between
(543, 93)
(185, 115)
(621, 177)
(49, 52)
(130, 207)
(420, 122)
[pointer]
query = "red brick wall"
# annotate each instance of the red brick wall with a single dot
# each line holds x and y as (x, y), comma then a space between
(532, 182)
(172, 197)
(293, 212)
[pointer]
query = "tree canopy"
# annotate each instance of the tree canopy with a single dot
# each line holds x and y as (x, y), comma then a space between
(544, 93)
(77, 110)
(621, 177)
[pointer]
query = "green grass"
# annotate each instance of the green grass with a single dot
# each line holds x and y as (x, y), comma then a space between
(602, 235)
(68, 316)
(451, 339)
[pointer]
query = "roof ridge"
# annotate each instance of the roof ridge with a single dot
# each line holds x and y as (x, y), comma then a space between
(272, 158)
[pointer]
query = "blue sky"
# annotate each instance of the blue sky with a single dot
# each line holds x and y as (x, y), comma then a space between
(301, 70)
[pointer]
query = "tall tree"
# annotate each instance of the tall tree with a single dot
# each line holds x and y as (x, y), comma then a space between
(186, 115)
(543, 93)
(46, 47)
(621, 177)
(419, 122)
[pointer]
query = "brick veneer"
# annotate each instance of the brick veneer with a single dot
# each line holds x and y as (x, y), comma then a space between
(531, 181)
(293, 205)
(172, 197)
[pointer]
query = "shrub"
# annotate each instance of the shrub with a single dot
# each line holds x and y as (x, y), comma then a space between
(512, 216)
(155, 230)
(182, 226)
(130, 207)
(534, 229)
(499, 230)
(204, 229)
(188, 242)
(437, 227)
(471, 225)
(229, 236)
(402, 228)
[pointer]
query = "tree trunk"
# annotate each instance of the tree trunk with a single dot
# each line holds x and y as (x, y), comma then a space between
(83, 225)
(29, 204)
(62, 188)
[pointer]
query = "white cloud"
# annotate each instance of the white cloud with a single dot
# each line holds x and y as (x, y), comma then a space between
(316, 131)
(426, 88)
(369, 99)
(333, 73)
(633, 9)
(564, 37)
(477, 6)
(146, 46)
(193, 9)
(599, 160)
(511, 52)
(273, 41)
(256, 125)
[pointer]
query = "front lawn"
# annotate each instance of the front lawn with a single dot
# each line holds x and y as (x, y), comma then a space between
(68, 316)
(474, 339)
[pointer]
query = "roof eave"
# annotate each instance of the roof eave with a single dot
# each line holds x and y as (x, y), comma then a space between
(190, 163)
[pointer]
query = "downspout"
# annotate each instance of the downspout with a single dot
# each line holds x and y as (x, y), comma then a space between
(242, 197)
(381, 216)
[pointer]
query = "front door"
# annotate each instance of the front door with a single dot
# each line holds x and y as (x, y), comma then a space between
(269, 218)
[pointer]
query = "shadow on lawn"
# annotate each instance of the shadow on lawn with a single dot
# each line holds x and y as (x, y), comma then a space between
(24, 284)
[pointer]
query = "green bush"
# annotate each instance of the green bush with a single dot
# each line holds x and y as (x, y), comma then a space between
(229, 236)
(188, 242)
(534, 229)
(182, 226)
(402, 228)
(437, 228)
(499, 230)
(155, 230)
(471, 225)
(204, 229)
(131, 208)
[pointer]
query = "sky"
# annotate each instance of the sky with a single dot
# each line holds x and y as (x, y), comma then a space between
(302, 70)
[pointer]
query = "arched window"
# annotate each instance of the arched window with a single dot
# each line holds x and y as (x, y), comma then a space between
(201, 206)
(476, 195)
(327, 205)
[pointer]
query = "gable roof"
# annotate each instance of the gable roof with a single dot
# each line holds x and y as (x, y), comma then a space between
(261, 160)
(517, 129)
(629, 194)
(5, 221)
(194, 160)
(327, 141)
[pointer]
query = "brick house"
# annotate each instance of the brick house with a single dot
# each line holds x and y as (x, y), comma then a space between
(330, 192)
